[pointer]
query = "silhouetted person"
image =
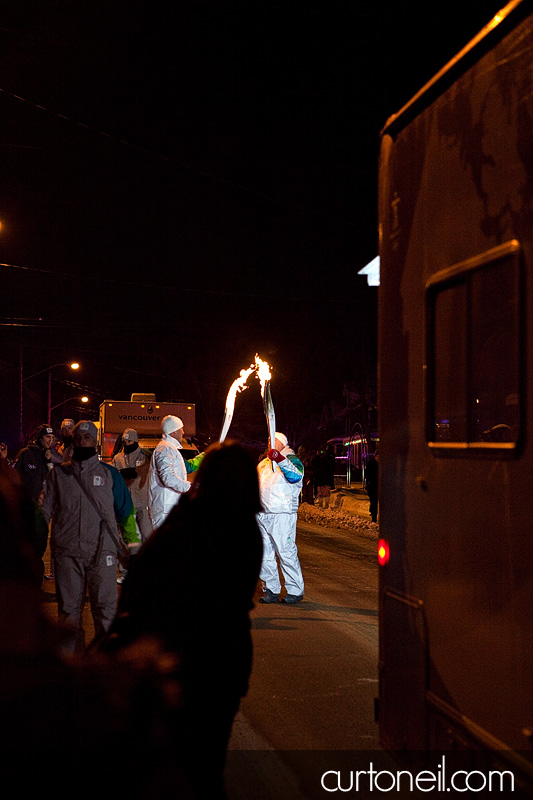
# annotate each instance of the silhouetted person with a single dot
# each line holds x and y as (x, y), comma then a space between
(191, 587)
(93, 714)
(19, 531)
(33, 464)
(308, 488)
(324, 476)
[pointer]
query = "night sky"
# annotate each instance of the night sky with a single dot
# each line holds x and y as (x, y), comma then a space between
(184, 184)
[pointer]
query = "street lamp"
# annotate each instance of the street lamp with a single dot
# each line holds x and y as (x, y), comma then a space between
(73, 365)
(82, 399)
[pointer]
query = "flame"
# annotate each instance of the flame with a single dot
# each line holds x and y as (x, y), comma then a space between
(238, 385)
(262, 373)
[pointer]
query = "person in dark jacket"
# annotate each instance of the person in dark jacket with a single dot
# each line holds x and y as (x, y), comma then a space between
(97, 713)
(209, 543)
(324, 476)
(33, 464)
(35, 461)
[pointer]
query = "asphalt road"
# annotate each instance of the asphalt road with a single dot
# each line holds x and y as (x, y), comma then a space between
(315, 674)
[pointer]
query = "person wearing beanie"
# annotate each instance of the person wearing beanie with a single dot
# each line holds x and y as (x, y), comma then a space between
(65, 448)
(168, 471)
(134, 464)
(280, 482)
(83, 500)
(34, 461)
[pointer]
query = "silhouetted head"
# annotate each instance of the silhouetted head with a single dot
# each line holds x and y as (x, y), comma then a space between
(17, 529)
(227, 478)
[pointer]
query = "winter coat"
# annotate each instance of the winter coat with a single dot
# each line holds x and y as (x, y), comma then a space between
(78, 529)
(280, 488)
(136, 466)
(168, 478)
(33, 467)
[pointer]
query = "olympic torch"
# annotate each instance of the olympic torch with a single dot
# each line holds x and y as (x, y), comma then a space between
(264, 376)
(237, 386)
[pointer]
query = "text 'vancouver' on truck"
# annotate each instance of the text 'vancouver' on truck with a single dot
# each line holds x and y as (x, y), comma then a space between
(143, 413)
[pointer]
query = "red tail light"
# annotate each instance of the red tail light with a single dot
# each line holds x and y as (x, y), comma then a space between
(383, 552)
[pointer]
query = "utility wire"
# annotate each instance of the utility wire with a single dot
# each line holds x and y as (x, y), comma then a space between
(167, 159)
(159, 287)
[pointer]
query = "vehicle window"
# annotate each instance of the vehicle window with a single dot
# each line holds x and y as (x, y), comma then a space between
(473, 352)
(450, 357)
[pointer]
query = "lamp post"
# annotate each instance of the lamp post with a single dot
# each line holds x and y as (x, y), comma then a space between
(73, 365)
(83, 399)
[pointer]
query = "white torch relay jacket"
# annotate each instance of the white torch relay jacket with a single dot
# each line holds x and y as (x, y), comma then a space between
(77, 526)
(168, 477)
(280, 489)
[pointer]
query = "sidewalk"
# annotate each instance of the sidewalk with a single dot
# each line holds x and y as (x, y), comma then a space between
(348, 509)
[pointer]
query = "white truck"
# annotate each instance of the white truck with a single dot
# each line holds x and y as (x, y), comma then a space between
(143, 413)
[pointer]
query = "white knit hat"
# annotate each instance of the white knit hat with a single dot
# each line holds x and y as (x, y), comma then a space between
(281, 438)
(171, 424)
(86, 426)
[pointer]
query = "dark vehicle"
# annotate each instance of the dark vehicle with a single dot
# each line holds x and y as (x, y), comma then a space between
(456, 406)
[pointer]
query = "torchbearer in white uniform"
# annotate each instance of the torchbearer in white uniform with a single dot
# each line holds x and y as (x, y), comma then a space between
(280, 491)
(168, 471)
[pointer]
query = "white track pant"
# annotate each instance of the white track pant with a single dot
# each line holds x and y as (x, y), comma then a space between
(279, 539)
